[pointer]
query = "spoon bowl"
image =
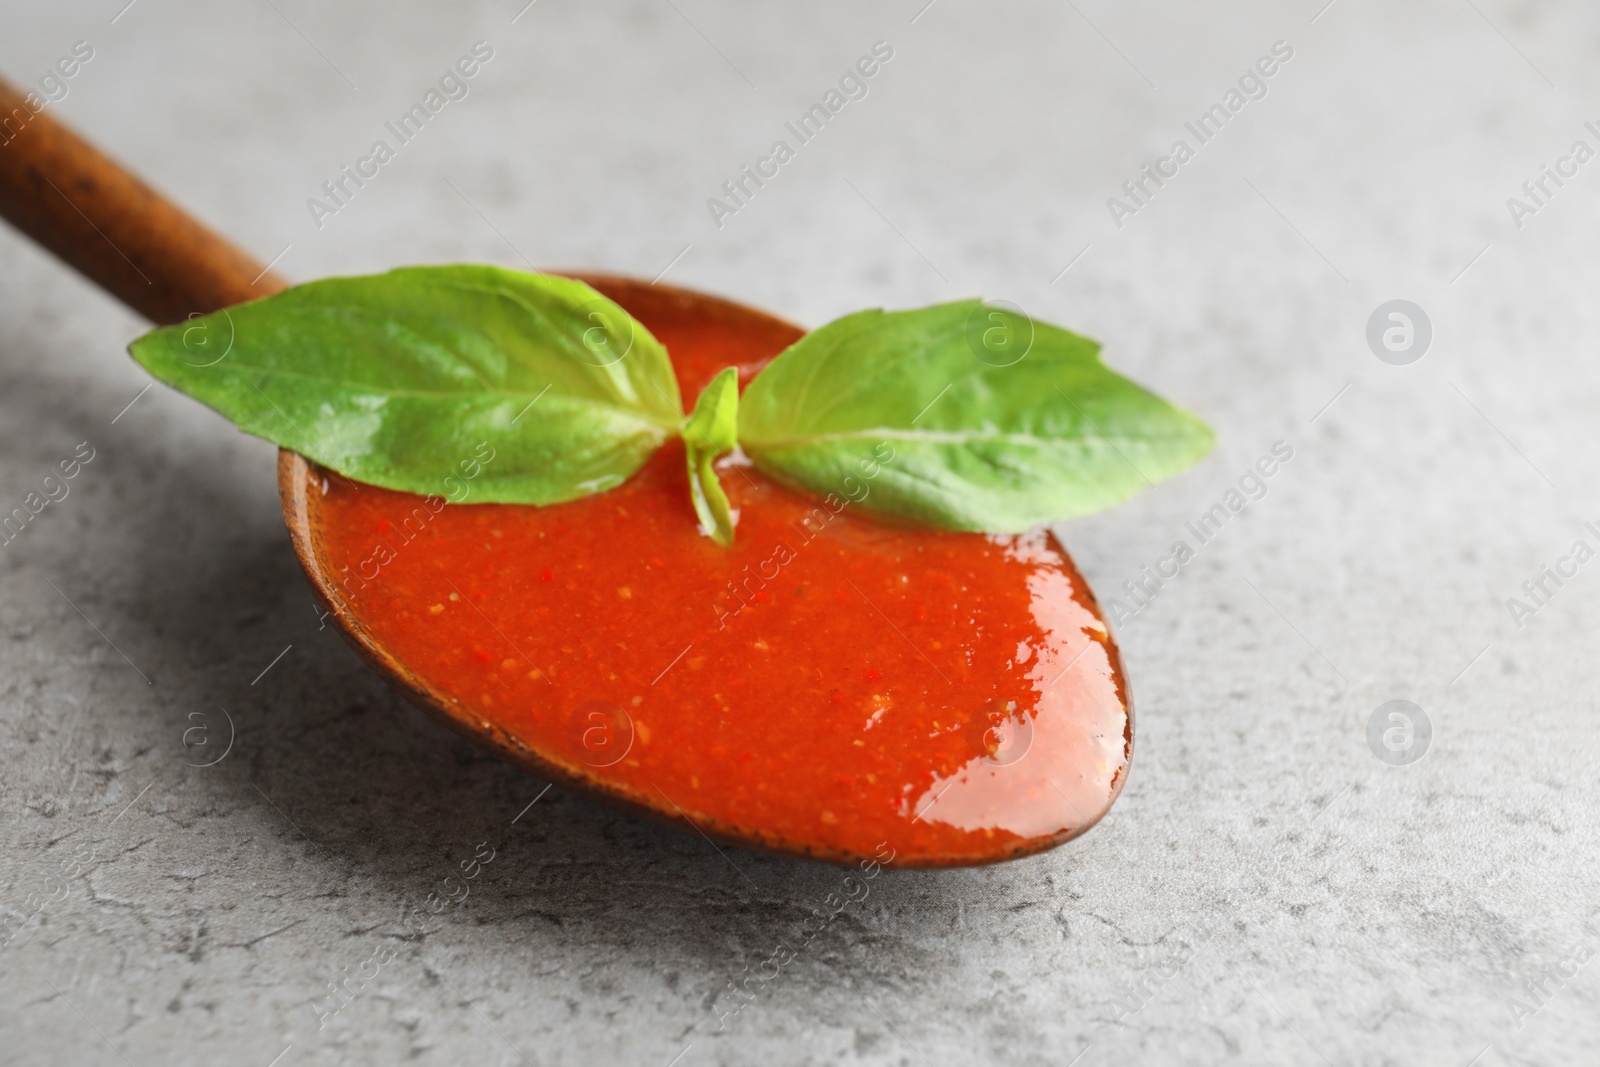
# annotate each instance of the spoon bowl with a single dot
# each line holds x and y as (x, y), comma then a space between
(953, 783)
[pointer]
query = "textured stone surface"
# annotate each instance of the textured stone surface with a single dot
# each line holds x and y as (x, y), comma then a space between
(1267, 890)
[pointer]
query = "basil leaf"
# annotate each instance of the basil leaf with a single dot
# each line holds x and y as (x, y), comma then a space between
(709, 433)
(994, 422)
(407, 379)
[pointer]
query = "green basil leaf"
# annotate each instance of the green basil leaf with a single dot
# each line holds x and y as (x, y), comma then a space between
(409, 379)
(709, 433)
(963, 416)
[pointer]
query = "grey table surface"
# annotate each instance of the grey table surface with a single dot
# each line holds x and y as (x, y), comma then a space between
(1268, 890)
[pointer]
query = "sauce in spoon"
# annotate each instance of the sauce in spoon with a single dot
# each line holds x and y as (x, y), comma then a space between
(830, 686)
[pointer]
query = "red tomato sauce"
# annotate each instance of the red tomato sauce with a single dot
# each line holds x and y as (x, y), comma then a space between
(830, 685)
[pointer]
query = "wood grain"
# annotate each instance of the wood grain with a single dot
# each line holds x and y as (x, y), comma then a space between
(111, 227)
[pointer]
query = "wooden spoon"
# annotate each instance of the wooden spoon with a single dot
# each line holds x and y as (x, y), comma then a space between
(797, 768)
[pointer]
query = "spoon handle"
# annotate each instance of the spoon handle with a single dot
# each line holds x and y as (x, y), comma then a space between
(113, 228)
